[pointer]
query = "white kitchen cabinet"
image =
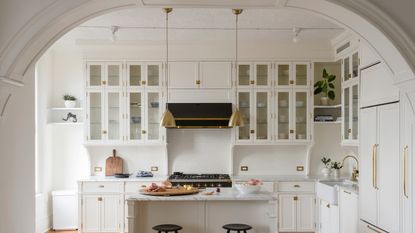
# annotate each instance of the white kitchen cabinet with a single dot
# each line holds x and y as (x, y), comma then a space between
(104, 74)
(365, 227)
(183, 74)
(296, 212)
(367, 56)
(254, 74)
(350, 113)
(292, 74)
(377, 86)
(379, 177)
(406, 165)
(100, 213)
(215, 74)
(348, 211)
(329, 217)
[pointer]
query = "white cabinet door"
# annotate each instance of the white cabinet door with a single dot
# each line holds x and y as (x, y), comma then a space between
(329, 218)
(183, 74)
(91, 213)
(349, 214)
(367, 56)
(114, 125)
(215, 74)
(110, 211)
(305, 213)
(368, 140)
(388, 167)
(287, 213)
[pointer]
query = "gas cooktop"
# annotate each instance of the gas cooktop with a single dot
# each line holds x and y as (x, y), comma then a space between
(201, 180)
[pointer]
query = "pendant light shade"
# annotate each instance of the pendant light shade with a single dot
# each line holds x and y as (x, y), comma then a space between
(236, 118)
(167, 119)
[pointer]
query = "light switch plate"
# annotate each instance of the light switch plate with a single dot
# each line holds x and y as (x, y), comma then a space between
(244, 168)
(154, 169)
(300, 168)
(98, 169)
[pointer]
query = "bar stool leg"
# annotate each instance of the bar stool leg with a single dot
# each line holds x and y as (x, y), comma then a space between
(228, 231)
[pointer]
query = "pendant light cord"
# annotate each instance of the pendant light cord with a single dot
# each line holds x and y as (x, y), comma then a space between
(236, 62)
(167, 60)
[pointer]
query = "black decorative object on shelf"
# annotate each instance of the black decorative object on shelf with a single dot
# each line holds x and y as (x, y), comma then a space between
(71, 117)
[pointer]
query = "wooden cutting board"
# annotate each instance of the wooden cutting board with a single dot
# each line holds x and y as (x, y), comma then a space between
(113, 164)
(171, 192)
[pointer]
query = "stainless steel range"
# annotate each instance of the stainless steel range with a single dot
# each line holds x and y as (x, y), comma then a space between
(201, 180)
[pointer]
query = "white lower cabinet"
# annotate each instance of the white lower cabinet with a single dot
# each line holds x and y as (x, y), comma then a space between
(348, 212)
(101, 213)
(329, 217)
(296, 212)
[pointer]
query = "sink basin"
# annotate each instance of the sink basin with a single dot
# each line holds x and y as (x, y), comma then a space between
(328, 189)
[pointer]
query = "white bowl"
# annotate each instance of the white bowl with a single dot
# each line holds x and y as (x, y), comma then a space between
(247, 188)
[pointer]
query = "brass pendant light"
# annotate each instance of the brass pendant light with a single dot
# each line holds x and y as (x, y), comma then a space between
(236, 118)
(167, 119)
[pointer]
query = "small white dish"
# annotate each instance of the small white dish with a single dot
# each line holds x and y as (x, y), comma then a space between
(247, 188)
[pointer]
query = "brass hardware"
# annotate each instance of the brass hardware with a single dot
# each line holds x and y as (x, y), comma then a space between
(167, 10)
(104, 82)
(373, 229)
(347, 192)
(252, 131)
(349, 130)
(205, 119)
(104, 131)
(349, 75)
(295, 198)
(99, 198)
(291, 131)
(355, 172)
(252, 82)
(143, 82)
(296, 186)
(197, 82)
(405, 154)
(374, 165)
(101, 186)
(200, 127)
(143, 186)
(328, 205)
(237, 11)
(292, 82)
(143, 131)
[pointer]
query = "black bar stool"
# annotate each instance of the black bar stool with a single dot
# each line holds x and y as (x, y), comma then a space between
(237, 227)
(166, 228)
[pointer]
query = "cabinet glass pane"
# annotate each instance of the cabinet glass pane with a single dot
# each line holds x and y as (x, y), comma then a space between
(114, 116)
(346, 69)
(262, 75)
(355, 64)
(95, 75)
(261, 115)
(301, 75)
(153, 117)
(244, 75)
(135, 75)
(135, 116)
(114, 75)
(301, 115)
(153, 75)
(95, 108)
(244, 108)
(283, 75)
(355, 112)
(283, 115)
(346, 119)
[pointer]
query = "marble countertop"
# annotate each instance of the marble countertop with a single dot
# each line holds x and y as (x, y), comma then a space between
(130, 179)
(224, 195)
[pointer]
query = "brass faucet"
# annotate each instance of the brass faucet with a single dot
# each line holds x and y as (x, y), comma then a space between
(355, 172)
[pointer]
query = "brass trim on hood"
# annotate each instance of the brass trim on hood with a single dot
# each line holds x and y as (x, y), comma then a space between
(202, 127)
(202, 118)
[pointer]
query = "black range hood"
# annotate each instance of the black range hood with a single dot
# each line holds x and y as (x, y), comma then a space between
(201, 115)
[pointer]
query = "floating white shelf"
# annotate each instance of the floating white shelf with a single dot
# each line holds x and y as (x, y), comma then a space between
(66, 109)
(327, 122)
(328, 106)
(65, 123)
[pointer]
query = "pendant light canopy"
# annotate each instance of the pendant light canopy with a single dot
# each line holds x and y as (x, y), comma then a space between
(167, 119)
(236, 118)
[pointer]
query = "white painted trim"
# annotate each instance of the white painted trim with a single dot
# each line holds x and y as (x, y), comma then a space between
(11, 82)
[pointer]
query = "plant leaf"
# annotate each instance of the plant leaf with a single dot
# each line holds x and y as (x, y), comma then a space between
(317, 91)
(318, 83)
(325, 74)
(331, 78)
(331, 95)
(331, 85)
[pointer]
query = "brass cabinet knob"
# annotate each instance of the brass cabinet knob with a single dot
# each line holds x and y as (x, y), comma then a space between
(143, 82)
(252, 82)
(101, 186)
(104, 132)
(296, 186)
(104, 82)
(349, 75)
(143, 132)
(295, 198)
(99, 198)
(291, 131)
(252, 131)
(328, 205)
(292, 82)
(197, 82)
(349, 130)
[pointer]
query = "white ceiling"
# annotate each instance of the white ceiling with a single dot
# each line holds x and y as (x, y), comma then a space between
(146, 24)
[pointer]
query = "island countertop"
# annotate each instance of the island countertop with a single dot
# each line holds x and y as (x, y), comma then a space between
(224, 195)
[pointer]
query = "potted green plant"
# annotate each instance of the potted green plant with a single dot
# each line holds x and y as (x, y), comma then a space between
(325, 86)
(326, 170)
(70, 101)
(336, 166)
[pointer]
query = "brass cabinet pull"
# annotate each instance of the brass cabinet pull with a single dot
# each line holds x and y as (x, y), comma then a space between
(373, 229)
(197, 82)
(101, 186)
(349, 130)
(104, 82)
(295, 198)
(292, 82)
(252, 131)
(252, 82)
(296, 186)
(143, 82)
(374, 166)
(405, 154)
(99, 198)
(143, 186)
(349, 75)
(347, 192)
(104, 131)
(143, 132)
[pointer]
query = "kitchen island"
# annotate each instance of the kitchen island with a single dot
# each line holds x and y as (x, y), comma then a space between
(201, 213)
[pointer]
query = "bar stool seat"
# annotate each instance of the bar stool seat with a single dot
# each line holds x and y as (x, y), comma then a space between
(167, 228)
(238, 227)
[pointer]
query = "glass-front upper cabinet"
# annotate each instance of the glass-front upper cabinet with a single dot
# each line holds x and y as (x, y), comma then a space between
(244, 133)
(350, 129)
(114, 123)
(154, 131)
(135, 73)
(301, 76)
(262, 115)
(104, 74)
(135, 109)
(262, 74)
(144, 74)
(300, 115)
(350, 67)
(154, 74)
(244, 75)
(283, 112)
(95, 116)
(283, 73)
(292, 74)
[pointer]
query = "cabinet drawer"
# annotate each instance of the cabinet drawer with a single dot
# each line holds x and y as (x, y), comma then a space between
(134, 187)
(102, 187)
(296, 186)
(268, 186)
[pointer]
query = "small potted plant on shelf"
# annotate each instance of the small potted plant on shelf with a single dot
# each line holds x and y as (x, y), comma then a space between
(326, 170)
(336, 166)
(325, 86)
(70, 101)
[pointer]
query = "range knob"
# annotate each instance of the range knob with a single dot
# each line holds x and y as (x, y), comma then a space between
(206, 185)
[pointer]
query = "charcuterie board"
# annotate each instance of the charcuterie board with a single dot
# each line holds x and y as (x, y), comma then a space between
(171, 192)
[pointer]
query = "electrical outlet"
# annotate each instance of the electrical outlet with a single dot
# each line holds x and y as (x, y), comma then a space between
(300, 168)
(154, 169)
(244, 168)
(98, 169)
